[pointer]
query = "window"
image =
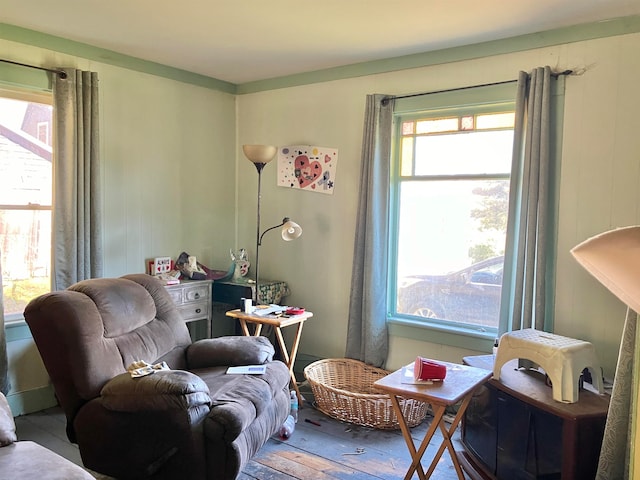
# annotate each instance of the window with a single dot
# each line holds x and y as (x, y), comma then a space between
(450, 194)
(25, 198)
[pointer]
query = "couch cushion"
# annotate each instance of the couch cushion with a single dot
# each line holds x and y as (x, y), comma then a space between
(229, 351)
(123, 306)
(30, 460)
(236, 400)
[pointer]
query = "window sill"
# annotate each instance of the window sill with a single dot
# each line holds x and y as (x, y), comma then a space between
(17, 329)
(453, 337)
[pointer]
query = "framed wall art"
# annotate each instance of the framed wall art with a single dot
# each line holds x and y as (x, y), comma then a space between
(307, 167)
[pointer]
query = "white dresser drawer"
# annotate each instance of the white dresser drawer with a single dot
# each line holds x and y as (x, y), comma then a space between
(194, 311)
(196, 292)
(193, 299)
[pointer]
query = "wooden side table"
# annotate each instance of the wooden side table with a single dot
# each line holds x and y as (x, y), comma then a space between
(458, 385)
(278, 323)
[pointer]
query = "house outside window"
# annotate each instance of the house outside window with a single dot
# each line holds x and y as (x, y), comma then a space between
(450, 198)
(25, 198)
(43, 132)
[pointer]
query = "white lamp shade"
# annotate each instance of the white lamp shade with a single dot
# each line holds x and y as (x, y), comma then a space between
(260, 153)
(291, 231)
(613, 258)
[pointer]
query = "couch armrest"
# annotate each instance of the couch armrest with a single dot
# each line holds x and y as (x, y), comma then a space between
(160, 391)
(7, 425)
(229, 351)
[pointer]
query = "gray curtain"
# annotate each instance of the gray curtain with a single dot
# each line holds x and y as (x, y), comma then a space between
(77, 209)
(367, 336)
(528, 227)
(615, 453)
(4, 363)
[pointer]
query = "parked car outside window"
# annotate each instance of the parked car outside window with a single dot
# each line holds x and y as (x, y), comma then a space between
(469, 296)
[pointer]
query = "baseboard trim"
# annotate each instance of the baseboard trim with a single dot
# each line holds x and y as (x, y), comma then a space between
(30, 401)
(302, 360)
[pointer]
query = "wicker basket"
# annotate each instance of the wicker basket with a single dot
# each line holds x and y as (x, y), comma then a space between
(343, 389)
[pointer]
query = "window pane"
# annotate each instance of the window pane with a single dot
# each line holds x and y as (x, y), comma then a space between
(467, 122)
(25, 181)
(437, 125)
(485, 152)
(496, 120)
(407, 128)
(25, 161)
(25, 243)
(450, 245)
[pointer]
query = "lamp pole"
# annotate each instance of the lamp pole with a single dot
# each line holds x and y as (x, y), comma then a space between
(259, 167)
(260, 155)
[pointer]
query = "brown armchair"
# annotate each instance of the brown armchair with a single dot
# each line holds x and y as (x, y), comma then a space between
(191, 422)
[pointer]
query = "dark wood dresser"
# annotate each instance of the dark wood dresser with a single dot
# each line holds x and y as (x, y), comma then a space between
(513, 429)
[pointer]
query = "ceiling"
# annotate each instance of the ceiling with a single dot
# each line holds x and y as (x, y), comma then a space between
(240, 41)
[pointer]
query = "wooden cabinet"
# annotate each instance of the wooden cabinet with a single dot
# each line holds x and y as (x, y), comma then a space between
(514, 430)
(193, 299)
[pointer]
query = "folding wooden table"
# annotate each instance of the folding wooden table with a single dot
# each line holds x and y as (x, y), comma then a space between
(278, 323)
(458, 385)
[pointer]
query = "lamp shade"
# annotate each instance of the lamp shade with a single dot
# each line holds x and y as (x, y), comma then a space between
(291, 231)
(613, 258)
(259, 153)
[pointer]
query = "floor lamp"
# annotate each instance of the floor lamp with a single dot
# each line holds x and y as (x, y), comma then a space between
(613, 258)
(260, 155)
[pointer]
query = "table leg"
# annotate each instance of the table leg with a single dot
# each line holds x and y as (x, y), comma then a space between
(245, 328)
(447, 434)
(406, 433)
(290, 358)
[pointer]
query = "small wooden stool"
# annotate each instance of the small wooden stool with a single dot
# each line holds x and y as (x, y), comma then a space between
(562, 358)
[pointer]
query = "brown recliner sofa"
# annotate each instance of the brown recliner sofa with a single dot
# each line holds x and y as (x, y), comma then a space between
(191, 422)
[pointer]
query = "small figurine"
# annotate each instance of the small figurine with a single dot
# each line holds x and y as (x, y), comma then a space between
(241, 261)
(189, 267)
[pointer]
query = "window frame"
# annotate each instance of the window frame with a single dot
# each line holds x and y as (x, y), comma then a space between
(45, 97)
(473, 100)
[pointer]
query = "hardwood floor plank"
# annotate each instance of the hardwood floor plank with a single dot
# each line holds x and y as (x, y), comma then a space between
(299, 468)
(256, 471)
(311, 460)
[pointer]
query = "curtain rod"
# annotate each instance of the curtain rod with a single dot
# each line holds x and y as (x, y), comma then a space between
(61, 73)
(386, 100)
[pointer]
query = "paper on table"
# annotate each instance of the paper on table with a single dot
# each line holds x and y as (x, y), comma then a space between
(247, 369)
(264, 310)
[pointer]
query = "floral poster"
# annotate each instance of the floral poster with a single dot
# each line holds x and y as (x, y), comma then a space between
(306, 167)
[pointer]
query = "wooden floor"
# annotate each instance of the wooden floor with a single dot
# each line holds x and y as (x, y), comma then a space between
(325, 452)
